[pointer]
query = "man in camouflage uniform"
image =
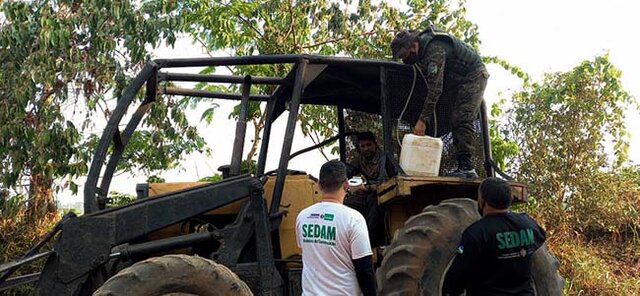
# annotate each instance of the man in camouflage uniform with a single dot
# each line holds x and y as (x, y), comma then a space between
(375, 168)
(450, 64)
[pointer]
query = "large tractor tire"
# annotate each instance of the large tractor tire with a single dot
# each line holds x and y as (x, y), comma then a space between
(420, 253)
(547, 281)
(174, 275)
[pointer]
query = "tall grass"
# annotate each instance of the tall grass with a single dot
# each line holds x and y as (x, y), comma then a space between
(594, 234)
(597, 268)
(18, 233)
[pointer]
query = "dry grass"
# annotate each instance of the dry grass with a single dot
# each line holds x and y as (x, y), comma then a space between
(597, 268)
(18, 234)
(596, 234)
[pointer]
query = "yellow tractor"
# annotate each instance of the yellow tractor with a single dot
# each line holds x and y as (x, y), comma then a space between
(237, 236)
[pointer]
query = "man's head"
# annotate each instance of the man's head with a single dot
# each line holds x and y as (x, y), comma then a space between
(367, 145)
(405, 46)
(333, 177)
(494, 194)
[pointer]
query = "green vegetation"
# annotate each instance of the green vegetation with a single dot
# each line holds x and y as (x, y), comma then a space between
(314, 27)
(119, 199)
(18, 233)
(64, 64)
(564, 136)
(573, 142)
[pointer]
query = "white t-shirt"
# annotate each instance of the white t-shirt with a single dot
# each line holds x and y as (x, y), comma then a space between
(331, 235)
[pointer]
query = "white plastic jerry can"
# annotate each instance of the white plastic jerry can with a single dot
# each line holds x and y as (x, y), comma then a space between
(420, 155)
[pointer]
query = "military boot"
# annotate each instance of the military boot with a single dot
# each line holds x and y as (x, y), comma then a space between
(465, 168)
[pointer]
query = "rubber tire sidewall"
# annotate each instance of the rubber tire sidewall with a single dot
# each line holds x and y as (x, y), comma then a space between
(174, 274)
(544, 271)
(420, 252)
(419, 255)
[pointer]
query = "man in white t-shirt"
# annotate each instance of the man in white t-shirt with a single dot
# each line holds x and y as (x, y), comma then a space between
(336, 255)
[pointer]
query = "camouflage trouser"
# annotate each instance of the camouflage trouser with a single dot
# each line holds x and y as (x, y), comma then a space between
(465, 110)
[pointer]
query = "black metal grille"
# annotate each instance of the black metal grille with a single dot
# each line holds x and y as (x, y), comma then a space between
(448, 162)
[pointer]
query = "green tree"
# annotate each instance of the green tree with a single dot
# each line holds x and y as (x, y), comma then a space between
(119, 199)
(573, 149)
(569, 129)
(503, 148)
(66, 59)
(155, 179)
(361, 29)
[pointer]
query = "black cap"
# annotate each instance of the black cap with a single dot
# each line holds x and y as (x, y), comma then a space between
(402, 41)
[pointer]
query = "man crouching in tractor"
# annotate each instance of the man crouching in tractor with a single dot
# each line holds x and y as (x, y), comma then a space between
(375, 168)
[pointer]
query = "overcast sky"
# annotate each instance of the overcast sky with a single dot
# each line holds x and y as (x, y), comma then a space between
(547, 36)
(539, 36)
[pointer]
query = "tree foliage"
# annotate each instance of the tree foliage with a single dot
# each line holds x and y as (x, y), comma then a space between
(67, 59)
(569, 119)
(503, 148)
(572, 142)
(362, 29)
(117, 199)
(574, 149)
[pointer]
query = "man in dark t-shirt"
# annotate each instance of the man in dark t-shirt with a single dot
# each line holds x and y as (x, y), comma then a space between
(495, 253)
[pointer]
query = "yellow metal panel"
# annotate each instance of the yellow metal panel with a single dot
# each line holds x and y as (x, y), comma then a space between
(407, 196)
(156, 189)
(402, 186)
(162, 188)
(397, 216)
(387, 190)
(299, 192)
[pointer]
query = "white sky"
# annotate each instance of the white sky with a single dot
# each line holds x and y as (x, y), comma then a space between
(548, 36)
(537, 35)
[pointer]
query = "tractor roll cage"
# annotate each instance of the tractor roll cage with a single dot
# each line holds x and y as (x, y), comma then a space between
(348, 83)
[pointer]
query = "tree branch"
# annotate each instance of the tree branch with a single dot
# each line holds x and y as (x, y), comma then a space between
(245, 21)
(335, 40)
(204, 45)
(317, 141)
(248, 23)
(258, 125)
(292, 26)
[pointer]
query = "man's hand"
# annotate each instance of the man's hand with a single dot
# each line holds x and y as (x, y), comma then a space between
(420, 128)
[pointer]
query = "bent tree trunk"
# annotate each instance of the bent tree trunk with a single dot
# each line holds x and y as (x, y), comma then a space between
(41, 200)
